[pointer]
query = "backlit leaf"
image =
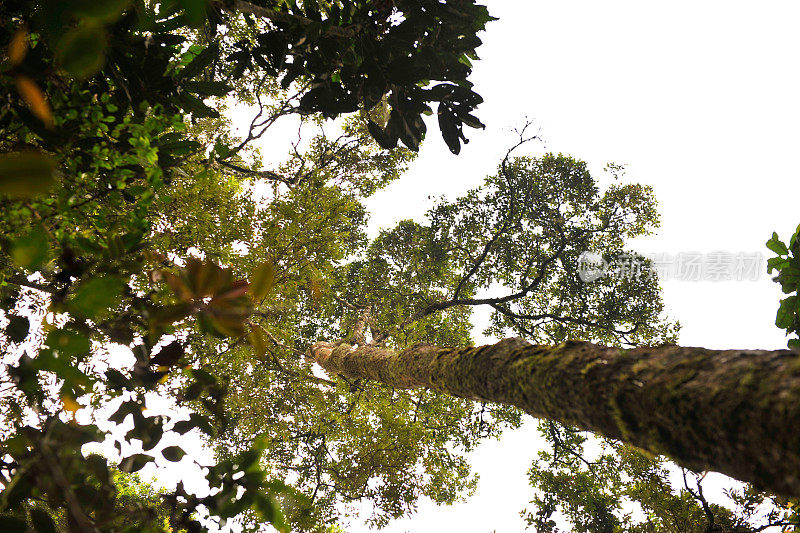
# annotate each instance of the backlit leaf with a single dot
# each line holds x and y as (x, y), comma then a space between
(96, 295)
(70, 404)
(26, 174)
(82, 51)
(257, 340)
(18, 46)
(35, 98)
(31, 250)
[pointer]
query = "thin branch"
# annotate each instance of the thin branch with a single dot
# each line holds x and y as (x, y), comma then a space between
(261, 174)
(702, 499)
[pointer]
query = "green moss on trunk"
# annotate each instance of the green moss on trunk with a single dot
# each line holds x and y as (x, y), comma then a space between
(732, 411)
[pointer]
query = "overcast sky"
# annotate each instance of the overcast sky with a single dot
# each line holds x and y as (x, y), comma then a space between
(698, 99)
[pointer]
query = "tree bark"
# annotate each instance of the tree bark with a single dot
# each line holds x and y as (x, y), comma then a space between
(732, 411)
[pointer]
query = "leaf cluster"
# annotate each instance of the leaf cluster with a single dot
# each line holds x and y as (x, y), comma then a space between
(787, 265)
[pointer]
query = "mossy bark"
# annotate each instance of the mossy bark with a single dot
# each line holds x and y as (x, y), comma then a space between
(731, 411)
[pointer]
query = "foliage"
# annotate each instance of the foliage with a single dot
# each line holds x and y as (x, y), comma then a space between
(415, 282)
(787, 264)
(133, 216)
(99, 117)
(600, 486)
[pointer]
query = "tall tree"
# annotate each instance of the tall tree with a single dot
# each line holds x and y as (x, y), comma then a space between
(360, 441)
(651, 397)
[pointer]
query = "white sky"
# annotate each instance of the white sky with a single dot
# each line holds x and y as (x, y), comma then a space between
(698, 99)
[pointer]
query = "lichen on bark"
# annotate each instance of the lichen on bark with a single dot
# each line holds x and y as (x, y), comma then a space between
(731, 411)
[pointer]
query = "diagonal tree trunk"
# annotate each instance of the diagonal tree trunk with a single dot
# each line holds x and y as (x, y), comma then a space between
(731, 411)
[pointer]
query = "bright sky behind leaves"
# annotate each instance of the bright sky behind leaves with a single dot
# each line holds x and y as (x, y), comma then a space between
(698, 99)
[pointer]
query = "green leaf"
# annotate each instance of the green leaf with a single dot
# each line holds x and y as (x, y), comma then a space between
(195, 106)
(184, 147)
(262, 281)
(173, 453)
(26, 174)
(786, 312)
(135, 462)
(257, 341)
(17, 328)
(776, 263)
(776, 245)
(195, 11)
(82, 50)
(69, 343)
(96, 295)
(794, 344)
(200, 62)
(31, 250)
(42, 522)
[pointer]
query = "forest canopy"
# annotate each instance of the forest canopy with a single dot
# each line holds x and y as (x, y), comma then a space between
(150, 256)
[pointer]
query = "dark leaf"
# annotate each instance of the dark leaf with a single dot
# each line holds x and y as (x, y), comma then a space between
(117, 380)
(195, 106)
(449, 129)
(169, 355)
(17, 328)
(173, 453)
(208, 88)
(200, 62)
(102, 10)
(12, 524)
(135, 462)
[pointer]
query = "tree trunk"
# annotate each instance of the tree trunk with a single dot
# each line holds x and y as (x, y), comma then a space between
(732, 411)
